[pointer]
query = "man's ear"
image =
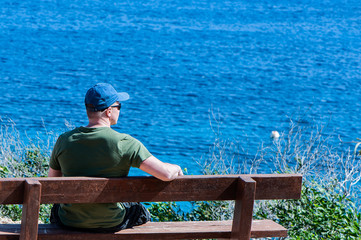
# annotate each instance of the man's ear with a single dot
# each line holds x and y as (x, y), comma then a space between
(108, 111)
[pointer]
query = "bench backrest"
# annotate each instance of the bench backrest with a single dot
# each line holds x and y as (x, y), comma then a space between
(150, 189)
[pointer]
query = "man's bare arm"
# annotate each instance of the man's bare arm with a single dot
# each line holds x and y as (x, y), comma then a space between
(54, 173)
(161, 170)
(153, 166)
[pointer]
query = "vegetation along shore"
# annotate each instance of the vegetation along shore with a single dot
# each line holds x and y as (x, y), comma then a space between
(330, 203)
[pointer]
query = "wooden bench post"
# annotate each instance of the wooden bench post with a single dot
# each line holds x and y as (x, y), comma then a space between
(31, 207)
(243, 209)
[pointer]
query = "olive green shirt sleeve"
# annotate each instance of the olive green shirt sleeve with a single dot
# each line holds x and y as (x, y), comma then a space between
(54, 163)
(135, 151)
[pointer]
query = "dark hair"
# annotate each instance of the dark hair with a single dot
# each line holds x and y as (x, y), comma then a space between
(92, 108)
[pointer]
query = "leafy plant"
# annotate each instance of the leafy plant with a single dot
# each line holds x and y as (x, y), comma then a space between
(34, 164)
(319, 214)
(20, 160)
(211, 211)
(165, 212)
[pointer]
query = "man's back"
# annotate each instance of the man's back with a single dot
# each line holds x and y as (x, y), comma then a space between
(95, 152)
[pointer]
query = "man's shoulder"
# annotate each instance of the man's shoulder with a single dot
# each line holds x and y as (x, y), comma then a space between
(121, 136)
(124, 137)
(68, 133)
(107, 133)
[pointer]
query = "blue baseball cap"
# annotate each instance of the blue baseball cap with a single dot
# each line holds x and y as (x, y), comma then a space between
(102, 96)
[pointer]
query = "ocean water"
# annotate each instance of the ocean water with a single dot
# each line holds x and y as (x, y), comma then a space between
(246, 67)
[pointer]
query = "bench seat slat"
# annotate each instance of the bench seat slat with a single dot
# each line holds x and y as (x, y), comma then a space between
(153, 230)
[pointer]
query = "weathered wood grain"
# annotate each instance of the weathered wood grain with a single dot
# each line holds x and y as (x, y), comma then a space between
(130, 189)
(153, 231)
(30, 211)
(243, 209)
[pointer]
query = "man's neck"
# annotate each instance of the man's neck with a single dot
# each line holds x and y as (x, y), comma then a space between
(97, 124)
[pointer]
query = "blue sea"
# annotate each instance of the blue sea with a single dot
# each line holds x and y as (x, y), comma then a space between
(243, 68)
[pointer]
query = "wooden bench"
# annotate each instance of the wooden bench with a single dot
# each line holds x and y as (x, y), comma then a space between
(244, 189)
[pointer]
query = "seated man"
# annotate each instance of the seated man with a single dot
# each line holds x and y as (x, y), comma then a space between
(98, 151)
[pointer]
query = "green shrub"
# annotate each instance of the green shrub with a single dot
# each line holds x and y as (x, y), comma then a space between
(211, 211)
(33, 164)
(166, 212)
(319, 214)
(199, 211)
(18, 159)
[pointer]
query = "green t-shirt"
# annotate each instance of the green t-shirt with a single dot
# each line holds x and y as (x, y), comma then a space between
(95, 152)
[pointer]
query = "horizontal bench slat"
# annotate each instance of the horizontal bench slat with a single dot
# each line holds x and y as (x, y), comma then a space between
(277, 186)
(149, 189)
(153, 230)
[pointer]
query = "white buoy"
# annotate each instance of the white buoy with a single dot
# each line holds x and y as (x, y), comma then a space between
(275, 135)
